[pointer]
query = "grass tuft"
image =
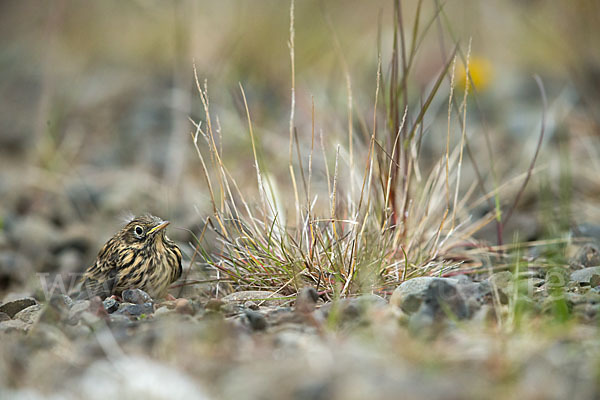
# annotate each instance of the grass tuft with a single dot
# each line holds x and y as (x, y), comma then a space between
(389, 214)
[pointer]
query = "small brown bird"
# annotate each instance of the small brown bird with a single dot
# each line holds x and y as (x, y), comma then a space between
(140, 256)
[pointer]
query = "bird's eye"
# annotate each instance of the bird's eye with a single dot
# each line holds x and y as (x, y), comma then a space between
(139, 231)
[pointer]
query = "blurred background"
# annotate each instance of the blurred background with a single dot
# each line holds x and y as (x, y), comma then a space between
(96, 100)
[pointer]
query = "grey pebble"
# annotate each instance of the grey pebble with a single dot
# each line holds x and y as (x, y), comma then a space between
(251, 305)
(29, 315)
(256, 320)
(110, 305)
(135, 296)
(164, 310)
(583, 276)
(135, 310)
(13, 307)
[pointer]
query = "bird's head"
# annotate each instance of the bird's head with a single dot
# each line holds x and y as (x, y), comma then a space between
(144, 230)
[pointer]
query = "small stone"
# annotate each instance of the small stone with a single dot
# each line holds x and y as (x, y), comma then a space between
(443, 297)
(256, 320)
(135, 310)
(251, 305)
(164, 310)
(414, 287)
(411, 303)
(595, 281)
(29, 315)
(183, 306)
(135, 296)
(214, 305)
(582, 276)
(13, 307)
(110, 305)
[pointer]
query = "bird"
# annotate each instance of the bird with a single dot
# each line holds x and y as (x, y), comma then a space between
(139, 256)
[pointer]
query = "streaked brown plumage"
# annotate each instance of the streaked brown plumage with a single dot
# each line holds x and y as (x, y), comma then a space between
(139, 256)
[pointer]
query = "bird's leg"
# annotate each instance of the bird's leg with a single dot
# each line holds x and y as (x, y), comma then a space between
(117, 298)
(170, 297)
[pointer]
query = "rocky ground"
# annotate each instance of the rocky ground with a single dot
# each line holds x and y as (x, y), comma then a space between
(95, 112)
(531, 333)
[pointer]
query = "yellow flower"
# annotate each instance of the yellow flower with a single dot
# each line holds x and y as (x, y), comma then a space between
(481, 72)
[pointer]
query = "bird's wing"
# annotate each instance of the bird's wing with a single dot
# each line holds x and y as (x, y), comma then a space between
(95, 284)
(100, 278)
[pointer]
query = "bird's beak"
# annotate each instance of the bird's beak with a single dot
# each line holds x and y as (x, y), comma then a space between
(158, 228)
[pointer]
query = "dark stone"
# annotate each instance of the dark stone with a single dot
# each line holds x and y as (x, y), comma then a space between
(110, 305)
(13, 307)
(251, 305)
(4, 317)
(411, 303)
(135, 310)
(135, 296)
(256, 320)
(444, 298)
